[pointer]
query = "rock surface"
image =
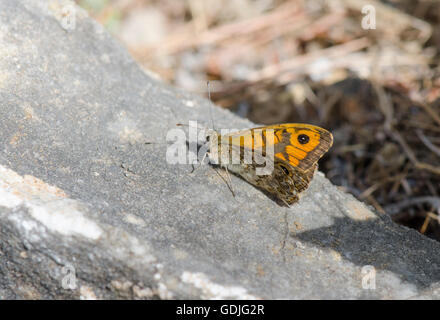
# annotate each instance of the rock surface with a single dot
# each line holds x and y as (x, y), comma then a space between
(90, 209)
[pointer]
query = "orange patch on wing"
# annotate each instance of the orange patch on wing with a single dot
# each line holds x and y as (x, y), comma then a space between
(293, 161)
(280, 155)
(314, 139)
(249, 139)
(270, 137)
(278, 135)
(275, 140)
(296, 152)
(243, 140)
(258, 139)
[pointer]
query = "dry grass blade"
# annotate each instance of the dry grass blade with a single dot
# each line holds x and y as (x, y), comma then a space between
(395, 208)
(273, 71)
(412, 157)
(428, 143)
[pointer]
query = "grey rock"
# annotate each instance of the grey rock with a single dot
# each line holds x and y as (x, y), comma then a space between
(90, 208)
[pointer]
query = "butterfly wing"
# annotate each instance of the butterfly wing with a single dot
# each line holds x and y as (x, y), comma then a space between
(301, 145)
(284, 181)
(296, 150)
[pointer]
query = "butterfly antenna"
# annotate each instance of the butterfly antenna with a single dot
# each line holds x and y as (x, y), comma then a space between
(210, 107)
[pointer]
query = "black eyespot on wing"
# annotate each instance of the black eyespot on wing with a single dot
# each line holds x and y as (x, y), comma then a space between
(286, 171)
(303, 138)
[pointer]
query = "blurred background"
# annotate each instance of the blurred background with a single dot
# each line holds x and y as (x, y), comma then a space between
(366, 70)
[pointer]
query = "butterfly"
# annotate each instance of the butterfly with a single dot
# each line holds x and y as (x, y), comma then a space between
(294, 150)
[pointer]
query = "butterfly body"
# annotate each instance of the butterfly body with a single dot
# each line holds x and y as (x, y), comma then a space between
(290, 151)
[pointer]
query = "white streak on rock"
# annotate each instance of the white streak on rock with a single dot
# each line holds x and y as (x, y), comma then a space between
(47, 204)
(214, 291)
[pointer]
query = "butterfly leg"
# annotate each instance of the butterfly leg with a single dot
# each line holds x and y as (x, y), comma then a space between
(225, 181)
(230, 181)
(204, 157)
(201, 162)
